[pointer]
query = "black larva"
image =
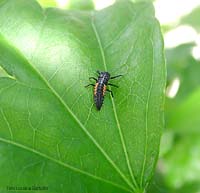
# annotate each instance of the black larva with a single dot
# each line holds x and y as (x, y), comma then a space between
(100, 87)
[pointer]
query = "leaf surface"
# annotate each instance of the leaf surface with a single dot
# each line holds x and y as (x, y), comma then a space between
(50, 132)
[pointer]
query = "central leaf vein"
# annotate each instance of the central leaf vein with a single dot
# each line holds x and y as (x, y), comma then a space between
(113, 104)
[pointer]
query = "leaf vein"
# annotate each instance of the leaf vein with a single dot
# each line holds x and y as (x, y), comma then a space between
(62, 163)
(67, 108)
(146, 115)
(7, 123)
(114, 108)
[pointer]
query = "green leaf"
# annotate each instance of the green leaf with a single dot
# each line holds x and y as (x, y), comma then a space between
(47, 3)
(50, 132)
(3, 73)
(160, 185)
(69, 4)
(81, 4)
(192, 19)
(182, 65)
(166, 143)
(183, 168)
(181, 119)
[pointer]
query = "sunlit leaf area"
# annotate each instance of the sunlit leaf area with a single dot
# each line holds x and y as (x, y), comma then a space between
(162, 157)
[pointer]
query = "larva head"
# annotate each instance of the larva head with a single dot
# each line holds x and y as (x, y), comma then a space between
(104, 75)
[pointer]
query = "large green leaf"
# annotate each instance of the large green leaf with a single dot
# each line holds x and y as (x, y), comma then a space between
(50, 132)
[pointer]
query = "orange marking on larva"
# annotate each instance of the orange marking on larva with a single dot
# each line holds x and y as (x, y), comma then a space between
(104, 89)
(95, 88)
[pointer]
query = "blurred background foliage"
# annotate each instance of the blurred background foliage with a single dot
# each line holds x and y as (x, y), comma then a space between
(178, 168)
